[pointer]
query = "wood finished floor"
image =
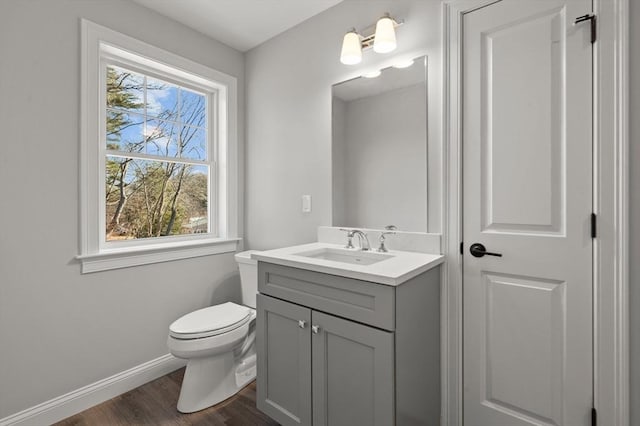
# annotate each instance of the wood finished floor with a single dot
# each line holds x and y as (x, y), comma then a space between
(155, 404)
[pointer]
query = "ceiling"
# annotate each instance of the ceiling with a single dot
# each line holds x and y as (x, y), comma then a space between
(241, 24)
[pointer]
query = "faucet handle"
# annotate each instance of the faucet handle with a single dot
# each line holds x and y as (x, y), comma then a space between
(383, 237)
(350, 234)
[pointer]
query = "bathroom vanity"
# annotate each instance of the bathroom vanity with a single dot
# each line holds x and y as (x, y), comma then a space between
(348, 337)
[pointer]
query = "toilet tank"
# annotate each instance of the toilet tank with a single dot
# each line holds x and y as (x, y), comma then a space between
(248, 277)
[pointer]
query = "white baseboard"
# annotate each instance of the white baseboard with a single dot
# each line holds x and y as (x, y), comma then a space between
(61, 407)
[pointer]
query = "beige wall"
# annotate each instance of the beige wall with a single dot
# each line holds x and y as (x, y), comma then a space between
(60, 330)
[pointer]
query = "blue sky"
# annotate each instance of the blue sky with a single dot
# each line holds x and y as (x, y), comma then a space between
(170, 111)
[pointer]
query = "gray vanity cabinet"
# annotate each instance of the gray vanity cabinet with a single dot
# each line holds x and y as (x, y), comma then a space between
(344, 370)
(352, 373)
(336, 351)
(284, 343)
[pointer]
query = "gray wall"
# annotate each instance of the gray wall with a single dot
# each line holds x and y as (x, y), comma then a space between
(634, 254)
(60, 330)
(289, 82)
(384, 164)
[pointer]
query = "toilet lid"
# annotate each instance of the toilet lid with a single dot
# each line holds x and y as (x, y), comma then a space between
(209, 321)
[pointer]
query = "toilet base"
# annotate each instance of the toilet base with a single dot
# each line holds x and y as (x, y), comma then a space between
(210, 380)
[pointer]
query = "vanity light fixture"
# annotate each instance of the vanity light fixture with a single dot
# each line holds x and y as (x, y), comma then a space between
(351, 48)
(383, 40)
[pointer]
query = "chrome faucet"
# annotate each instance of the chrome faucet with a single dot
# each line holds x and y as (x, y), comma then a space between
(362, 239)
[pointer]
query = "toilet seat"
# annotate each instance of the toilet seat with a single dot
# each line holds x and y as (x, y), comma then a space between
(210, 321)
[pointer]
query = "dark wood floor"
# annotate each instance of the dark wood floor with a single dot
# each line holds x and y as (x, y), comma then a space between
(155, 404)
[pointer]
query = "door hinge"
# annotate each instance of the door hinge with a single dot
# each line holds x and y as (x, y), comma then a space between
(461, 247)
(588, 17)
(594, 417)
(593, 226)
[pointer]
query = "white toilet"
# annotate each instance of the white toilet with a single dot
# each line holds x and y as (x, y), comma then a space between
(219, 344)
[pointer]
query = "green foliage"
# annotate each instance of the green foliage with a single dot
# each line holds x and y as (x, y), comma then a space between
(121, 94)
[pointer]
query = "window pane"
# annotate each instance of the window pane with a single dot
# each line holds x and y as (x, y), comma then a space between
(125, 131)
(193, 143)
(196, 201)
(162, 138)
(193, 108)
(125, 89)
(154, 198)
(162, 99)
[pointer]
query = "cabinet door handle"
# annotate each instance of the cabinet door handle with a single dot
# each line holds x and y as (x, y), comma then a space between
(315, 329)
(302, 323)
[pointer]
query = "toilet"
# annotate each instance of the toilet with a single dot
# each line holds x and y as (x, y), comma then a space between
(218, 343)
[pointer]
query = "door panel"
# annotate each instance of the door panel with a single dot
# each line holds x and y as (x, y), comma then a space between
(522, 165)
(284, 364)
(353, 373)
(519, 364)
(527, 173)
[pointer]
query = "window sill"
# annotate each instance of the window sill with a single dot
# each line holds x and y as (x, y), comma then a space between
(126, 258)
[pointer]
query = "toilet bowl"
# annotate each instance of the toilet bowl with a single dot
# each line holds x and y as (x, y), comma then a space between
(218, 343)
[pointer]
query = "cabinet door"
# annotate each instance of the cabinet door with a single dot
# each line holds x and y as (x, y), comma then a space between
(284, 361)
(353, 370)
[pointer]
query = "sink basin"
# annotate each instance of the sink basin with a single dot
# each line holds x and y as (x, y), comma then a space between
(345, 256)
(393, 268)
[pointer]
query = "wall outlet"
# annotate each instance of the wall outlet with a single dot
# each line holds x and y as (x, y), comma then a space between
(306, 204)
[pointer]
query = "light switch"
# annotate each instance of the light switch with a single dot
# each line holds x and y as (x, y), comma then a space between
(306, 203)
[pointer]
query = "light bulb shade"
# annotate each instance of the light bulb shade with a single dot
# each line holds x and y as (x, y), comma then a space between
(351, 49)
(385, 38)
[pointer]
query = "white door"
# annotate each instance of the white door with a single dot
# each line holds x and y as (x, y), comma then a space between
(527, 179)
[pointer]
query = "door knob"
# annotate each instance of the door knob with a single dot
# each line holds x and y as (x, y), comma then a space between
(302, 323)
(478, 250)
(315, 329)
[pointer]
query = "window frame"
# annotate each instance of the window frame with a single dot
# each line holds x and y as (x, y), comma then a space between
(211, 94)
(102, 47)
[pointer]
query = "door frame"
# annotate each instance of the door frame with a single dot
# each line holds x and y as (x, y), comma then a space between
(611, 204)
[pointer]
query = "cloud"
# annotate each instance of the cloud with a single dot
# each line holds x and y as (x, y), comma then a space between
(161, 97)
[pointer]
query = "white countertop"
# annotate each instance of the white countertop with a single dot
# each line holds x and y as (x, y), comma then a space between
(393, 271)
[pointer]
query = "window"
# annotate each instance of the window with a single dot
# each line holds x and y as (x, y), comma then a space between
(158, 155)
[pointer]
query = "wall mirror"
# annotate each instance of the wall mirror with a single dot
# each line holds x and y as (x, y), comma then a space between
(379, 149)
